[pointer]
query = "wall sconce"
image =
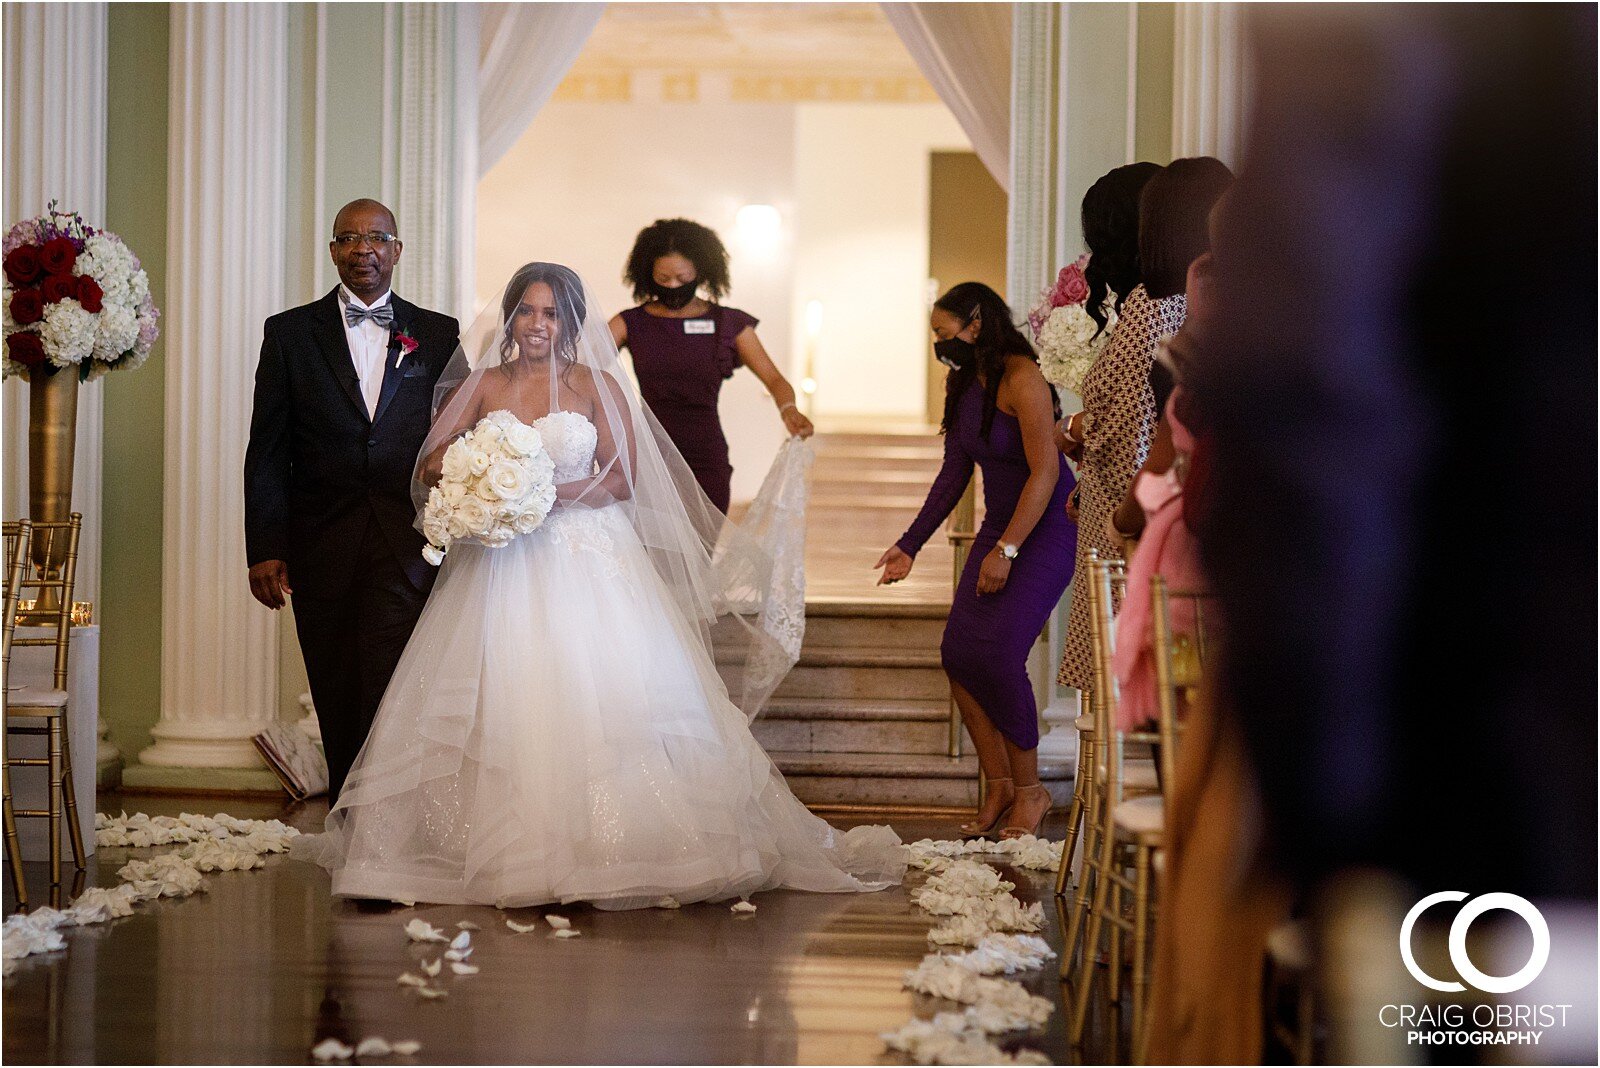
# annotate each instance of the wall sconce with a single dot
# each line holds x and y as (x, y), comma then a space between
(759, 226)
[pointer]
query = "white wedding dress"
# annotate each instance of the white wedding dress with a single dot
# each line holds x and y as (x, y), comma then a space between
(557, 732)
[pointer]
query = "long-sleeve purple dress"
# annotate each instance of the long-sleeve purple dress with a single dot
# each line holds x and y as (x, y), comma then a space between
(986, 640)
(681, 365)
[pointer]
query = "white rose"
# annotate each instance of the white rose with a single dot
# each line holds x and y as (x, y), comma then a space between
(432, 555)
(456, 526)
(508, 480)
(454, 493)
(527, 522)
(475, 514)
(477, 461)
(457, 464)
(523, 440)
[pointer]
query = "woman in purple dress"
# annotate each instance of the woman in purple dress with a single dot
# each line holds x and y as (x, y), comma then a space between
(999, 413)
(684, 346)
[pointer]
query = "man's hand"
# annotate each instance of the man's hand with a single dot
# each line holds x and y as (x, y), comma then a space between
(269, 582)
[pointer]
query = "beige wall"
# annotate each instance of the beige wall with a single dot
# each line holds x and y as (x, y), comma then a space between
(849, 181)
(862, 184)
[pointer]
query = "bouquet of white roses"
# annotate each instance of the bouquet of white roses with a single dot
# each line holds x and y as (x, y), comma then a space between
(1069, 339)
(73, 297)
(498, 481)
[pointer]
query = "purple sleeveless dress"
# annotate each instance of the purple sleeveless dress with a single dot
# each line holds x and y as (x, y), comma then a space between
(986, 640)
(681, 364)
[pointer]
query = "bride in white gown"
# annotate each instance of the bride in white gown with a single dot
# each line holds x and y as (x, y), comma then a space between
(557, 730)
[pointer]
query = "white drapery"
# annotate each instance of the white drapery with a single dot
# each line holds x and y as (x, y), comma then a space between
(964, 50)
(524, 52)
(1209, 82)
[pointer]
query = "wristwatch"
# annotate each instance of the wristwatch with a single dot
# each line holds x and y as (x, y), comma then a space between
(1008, 550)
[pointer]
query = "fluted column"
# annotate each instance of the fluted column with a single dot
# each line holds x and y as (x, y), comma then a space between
(55, 149)
(437, 82)
(226, 214)
(1208, 82)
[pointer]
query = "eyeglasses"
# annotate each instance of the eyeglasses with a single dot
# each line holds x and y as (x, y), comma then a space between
(376, 238)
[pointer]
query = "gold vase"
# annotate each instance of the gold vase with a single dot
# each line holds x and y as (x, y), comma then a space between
(52, 435)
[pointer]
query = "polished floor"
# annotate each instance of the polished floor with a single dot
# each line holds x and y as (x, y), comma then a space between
(264, 964)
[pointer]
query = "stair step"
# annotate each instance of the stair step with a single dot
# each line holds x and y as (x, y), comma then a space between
(902, 738)
(898, 779)
(814, 708)
(828, 498)
(869, 480)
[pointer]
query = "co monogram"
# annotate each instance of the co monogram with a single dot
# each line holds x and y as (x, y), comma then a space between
(1493, 984)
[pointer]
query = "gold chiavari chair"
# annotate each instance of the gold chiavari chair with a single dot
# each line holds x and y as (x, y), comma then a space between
(44, 711)
(1134, 778)
(1178, 660)
(18, 535)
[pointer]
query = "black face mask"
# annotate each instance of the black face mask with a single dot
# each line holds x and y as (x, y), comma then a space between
(955, 353)
(674, 297)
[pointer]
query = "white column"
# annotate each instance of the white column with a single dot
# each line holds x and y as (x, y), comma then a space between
(1032, 217)
(1038, 218)
(226, 213)
(436, 85)
(55, 149)
(1208, 82)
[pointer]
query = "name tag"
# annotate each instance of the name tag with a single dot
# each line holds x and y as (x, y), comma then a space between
(699, 326)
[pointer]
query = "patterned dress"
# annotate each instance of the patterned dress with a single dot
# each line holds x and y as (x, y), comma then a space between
(1120, 419)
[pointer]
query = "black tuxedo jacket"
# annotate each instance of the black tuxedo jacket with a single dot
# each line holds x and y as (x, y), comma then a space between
(317, 467)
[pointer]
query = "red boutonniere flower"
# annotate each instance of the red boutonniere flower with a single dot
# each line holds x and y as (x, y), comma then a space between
(406, 344)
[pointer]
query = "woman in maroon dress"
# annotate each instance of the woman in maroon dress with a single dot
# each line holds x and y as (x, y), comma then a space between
(685, 345)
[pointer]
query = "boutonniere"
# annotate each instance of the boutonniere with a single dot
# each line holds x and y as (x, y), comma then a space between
(405, 343)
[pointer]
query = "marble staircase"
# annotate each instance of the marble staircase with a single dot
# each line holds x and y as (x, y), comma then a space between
(863, 719)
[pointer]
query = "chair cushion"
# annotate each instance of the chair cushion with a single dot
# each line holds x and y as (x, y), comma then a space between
(1137, 775)
(21, 698)
(1141, 818)
(1289, 946)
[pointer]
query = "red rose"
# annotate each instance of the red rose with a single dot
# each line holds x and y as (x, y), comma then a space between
(27, 306)
(58, 255)
(89, 294)
(58, 287)
(25, 348)
(22, 265)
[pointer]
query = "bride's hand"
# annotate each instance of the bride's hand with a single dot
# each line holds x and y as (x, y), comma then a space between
(896, 565)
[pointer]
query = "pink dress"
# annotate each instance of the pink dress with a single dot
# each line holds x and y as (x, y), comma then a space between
(1168, 549)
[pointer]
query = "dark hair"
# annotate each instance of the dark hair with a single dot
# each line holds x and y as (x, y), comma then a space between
(1174, 216)
(1111, 231)
(571, 307)
(998, 338)
(698, 244)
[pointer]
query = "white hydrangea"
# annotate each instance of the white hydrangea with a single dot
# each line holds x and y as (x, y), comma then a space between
(119, 330)
(1069, 343)
(68, 332)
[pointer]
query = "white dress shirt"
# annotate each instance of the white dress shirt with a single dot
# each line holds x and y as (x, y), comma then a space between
(369, 343)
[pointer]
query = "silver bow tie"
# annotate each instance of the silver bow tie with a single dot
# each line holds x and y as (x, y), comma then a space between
(383, 314)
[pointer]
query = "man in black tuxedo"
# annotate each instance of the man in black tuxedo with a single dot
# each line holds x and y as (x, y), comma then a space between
(344, 392)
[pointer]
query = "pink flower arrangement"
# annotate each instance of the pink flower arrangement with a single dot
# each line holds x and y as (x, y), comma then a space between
(1071, 287)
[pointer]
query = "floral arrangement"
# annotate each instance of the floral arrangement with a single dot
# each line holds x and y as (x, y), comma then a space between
(73, 296)
(1069, 339)
(498, 481)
